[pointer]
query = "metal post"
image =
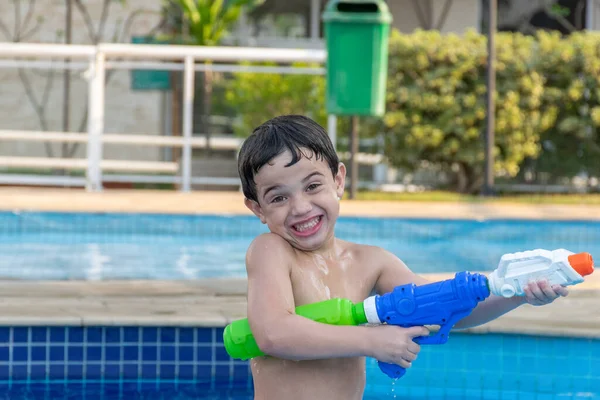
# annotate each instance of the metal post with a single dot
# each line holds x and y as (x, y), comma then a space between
(332, 129)
(315, 9)
(353, 153)
(188, 107)
(67, 77)
(95, 122)
(590, 14)
(488, 188)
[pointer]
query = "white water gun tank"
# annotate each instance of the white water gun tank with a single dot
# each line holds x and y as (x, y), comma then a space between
(559, 267)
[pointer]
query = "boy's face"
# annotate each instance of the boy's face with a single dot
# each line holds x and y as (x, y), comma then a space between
(300, 202)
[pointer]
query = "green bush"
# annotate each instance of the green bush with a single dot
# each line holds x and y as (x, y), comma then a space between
(259, 96)
(436, 105)
(571, 68)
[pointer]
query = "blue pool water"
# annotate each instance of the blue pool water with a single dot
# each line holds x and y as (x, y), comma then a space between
(142, 246)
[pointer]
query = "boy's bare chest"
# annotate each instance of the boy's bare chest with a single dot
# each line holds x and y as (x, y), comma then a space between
(317, 280)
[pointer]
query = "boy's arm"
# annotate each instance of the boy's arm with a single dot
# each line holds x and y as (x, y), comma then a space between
(393, 272)
(278, 331)
(536, 293)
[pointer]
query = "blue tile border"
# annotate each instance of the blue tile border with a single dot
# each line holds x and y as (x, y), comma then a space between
(468, 362)
(129, 352)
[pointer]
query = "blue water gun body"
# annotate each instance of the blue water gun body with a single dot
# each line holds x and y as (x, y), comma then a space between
(441, 303)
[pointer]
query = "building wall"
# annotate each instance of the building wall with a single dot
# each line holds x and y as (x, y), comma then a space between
(126, 111)
(462, 15)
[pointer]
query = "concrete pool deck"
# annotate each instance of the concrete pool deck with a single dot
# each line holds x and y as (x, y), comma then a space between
(216, 302)
(143, 201)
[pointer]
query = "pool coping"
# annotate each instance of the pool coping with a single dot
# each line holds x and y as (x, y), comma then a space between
(232, 203)
(217, 302)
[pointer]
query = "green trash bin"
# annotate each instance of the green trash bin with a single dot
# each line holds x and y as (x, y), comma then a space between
(357, 37)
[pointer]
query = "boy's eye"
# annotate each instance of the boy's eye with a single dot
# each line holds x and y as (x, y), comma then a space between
(277, 199)
(313, 186)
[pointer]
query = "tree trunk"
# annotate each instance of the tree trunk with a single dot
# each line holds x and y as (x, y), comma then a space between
(462, 180)
(353, 153)
(467, 179)
(176, 112)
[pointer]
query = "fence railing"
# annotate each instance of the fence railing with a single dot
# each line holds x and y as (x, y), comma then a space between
(95, 60)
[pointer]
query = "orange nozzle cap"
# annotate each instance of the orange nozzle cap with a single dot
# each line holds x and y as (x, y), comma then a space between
(582, 263)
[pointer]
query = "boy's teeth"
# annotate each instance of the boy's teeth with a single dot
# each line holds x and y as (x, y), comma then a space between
(307, 225)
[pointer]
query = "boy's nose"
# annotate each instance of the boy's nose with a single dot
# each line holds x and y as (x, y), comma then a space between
(301, 205)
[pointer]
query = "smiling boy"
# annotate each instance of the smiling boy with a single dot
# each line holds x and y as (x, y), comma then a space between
(293, 181)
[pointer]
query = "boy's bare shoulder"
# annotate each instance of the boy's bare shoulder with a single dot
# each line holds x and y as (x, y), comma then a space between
(271, 239)
(367, 250)
(373, 256)
(269, 245)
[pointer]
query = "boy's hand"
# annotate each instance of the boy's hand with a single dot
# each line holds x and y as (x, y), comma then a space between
(541, 293)
(395, 345)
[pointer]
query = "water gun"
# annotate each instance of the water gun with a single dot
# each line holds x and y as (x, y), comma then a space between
(441, 303)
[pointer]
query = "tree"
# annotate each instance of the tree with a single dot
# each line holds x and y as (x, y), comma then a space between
(205, 23)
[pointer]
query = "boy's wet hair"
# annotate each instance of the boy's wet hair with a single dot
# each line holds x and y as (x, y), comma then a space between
(295, 133)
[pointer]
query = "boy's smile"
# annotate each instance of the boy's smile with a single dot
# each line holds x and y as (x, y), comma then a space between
(308, 227)
(299, 202)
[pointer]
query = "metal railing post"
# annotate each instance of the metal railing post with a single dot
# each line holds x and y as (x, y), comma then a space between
(96, 79)
(188, 118)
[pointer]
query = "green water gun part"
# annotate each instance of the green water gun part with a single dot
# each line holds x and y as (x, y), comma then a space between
(240, 343)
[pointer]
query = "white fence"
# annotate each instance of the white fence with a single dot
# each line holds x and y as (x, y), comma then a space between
(95, 60)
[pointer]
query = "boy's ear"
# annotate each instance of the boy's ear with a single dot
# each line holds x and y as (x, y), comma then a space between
(340, 180)
(256, 209)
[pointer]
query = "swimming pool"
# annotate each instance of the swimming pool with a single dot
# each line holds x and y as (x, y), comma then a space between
(100, 246)
(190, 363)
(110, 362)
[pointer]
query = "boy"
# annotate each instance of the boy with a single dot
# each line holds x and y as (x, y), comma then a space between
(293, 181)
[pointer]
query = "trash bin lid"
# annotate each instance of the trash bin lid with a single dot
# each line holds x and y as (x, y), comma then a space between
(368, 11)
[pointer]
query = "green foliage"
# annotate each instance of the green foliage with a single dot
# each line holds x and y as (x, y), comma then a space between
(259, 96)
(571, 68)
(208, 21)
(547, 103)
(436, 105)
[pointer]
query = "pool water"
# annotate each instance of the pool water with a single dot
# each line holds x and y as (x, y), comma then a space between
(57, 246)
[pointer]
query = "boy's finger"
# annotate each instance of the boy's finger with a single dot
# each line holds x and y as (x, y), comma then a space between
(418, 331)
(413, 348)
(561, 290)
(535, 292)
(547, 290)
